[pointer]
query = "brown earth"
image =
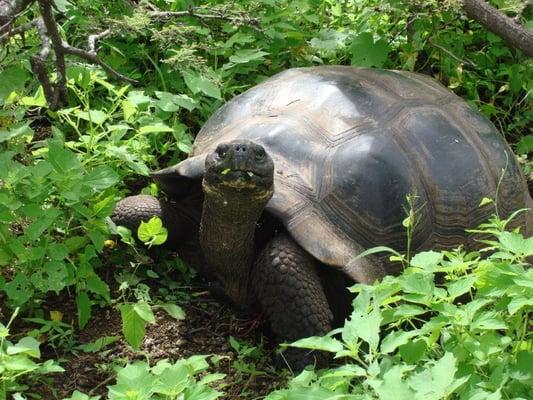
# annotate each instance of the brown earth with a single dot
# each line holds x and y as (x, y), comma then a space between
(205, 330)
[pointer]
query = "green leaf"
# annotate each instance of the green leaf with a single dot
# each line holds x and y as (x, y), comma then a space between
(525, 145)
(374, 250)
(95, 116)
(62, 159)
(21, 129)
(144, 311)
(133, 326)
(134, 382)
(98, 286)
(485, 201)
(98, 345)
(438, 381)
(244, 56)
(426, 260)
(198, 83)
(51, 277)
(395, 339)
(101, 178)
(83, 304)
(393, 386)
(363, 325)
(174, 311)
(19, 363)
(26, 345)
(13, 79)
(36, 229)
(325, 343)
(367, 53)
(153, 128)
(413, 352)
(152, 232)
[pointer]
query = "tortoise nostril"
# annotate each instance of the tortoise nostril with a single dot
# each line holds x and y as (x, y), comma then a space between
(240, 148)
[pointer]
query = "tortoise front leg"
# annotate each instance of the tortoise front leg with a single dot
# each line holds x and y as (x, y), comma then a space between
(289, 291)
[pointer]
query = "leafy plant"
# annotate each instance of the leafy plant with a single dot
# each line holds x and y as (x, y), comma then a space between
(164, 381)
(17, 362)
(452, 325)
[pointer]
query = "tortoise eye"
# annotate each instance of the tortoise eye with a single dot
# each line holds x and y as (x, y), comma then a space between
(221, 150)
(259, 154)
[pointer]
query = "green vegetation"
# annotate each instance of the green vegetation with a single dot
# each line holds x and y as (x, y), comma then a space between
(63, 168)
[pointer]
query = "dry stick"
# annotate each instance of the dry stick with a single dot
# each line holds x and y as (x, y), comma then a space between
(449, 53)
(514, 34)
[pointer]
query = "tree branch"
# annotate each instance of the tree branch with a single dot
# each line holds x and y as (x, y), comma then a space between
(38, 61)
(17, 30)
(60, 92)
(91, 57)
(514, 34)
(50, 38)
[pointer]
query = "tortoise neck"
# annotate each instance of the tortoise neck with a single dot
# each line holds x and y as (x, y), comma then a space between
(227, 229)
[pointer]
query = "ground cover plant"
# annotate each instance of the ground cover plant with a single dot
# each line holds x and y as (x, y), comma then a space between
(63, 166)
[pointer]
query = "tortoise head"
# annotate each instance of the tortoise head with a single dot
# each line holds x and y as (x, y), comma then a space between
(240, 166)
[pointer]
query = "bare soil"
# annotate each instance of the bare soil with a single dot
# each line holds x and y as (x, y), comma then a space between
(205, 330)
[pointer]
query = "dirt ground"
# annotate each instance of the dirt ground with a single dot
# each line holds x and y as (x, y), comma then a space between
(205, 330)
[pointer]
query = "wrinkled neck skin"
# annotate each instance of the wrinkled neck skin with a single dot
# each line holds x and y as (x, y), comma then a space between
(227, 230)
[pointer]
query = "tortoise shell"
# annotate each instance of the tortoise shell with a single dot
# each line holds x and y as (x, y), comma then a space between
(350, 144)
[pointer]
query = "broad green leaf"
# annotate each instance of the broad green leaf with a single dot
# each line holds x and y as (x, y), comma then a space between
(246, 55)
(51, 277)
(363, 325)
(144, 310)
(134, 382)
(367, 53)
(413, 352)
(437, 381)
(426, 260)
(14, 79)
(95, 116)
(198, 83)
(133, 326)
(83, 304)
(62, 159)
(395, 339)
(21, 129)
(19, 363)
(393, 386)
(99, 344)
(26, 345)
(325, 343)
(152, 232)
(98, 286)
(174, 311)
(19, 290)
(36, 228)
(101, 178)
(157, 127)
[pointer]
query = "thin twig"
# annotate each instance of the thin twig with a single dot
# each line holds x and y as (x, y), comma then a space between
(195, 12)
(448, 52)
(18, 30)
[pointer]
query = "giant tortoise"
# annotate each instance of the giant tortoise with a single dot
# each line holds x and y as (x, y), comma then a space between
(291, 180)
